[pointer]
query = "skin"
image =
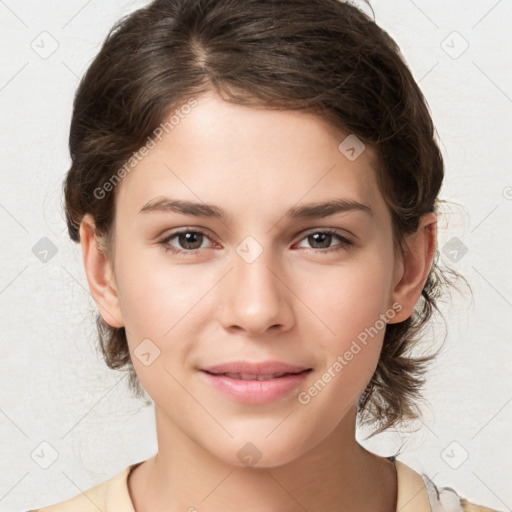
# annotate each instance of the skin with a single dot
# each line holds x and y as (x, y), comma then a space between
(294, 303)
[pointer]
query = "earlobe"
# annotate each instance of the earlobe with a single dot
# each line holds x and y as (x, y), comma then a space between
(99, 274)
(419, 253)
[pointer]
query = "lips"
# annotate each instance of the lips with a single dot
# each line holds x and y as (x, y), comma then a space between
(256, 383)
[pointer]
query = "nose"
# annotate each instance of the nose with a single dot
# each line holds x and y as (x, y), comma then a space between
(255, 297)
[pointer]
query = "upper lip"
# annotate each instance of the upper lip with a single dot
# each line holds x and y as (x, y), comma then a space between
(256, 368)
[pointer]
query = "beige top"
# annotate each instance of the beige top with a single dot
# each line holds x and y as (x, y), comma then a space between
(416, 493)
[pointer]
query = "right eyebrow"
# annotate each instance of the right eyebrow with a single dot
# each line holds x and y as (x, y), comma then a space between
(166, 204)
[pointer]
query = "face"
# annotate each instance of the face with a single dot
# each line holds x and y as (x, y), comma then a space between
(254, 275)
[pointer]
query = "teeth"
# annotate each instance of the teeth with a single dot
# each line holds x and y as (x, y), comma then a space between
(252, 376)
(267, 377)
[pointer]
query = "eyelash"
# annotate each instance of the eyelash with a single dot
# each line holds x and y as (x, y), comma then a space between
(337, 248)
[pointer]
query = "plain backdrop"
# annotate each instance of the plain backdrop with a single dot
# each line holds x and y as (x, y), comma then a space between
(68, 422)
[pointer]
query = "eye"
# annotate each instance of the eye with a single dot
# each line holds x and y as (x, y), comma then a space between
(190, 241)
(324, 238)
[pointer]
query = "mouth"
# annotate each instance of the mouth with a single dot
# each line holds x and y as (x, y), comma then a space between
(256, 386)
(262, 368)
(253, 376)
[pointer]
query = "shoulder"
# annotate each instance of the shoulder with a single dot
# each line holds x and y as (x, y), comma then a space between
(418, 493)
(108, 496)
(472, 507)
(447, 499)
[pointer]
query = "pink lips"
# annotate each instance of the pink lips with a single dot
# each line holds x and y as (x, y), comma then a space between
(255, 383)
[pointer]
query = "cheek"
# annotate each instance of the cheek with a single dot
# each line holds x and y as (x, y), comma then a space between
(350, 307)
(154, 296)
(350, 351)
(347, 301)
(162, 307)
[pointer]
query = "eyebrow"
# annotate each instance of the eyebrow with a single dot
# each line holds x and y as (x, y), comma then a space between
(310, 211)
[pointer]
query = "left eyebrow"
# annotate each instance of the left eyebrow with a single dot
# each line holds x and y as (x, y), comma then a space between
(309, 211)
(325, 209)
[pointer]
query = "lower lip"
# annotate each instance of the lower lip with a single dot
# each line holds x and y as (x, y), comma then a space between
(257, 391)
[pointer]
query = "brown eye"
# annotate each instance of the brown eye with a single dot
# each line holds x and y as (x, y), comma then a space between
(321, 241)
(190, 240)
(320, 238)
(187, 241)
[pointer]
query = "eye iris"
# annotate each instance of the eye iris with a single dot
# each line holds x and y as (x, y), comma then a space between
(322, 237)
(190, 237)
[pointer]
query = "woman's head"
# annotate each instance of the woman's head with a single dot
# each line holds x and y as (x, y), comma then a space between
(318, 72)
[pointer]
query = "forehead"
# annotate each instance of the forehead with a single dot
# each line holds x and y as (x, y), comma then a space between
(250, 159)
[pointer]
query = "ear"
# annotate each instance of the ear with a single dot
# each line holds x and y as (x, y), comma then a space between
(99, 274)
(411, 273)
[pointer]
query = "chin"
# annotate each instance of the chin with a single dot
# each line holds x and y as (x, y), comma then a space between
(258, 452)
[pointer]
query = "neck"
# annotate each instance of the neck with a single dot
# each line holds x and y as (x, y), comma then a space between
(336, 475)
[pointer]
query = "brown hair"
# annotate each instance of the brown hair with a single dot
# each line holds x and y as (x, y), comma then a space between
(320, 56)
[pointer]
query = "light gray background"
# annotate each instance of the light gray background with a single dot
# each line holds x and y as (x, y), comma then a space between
(55, 387)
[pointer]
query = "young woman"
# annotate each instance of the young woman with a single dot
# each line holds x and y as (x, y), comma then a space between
(254, 185)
